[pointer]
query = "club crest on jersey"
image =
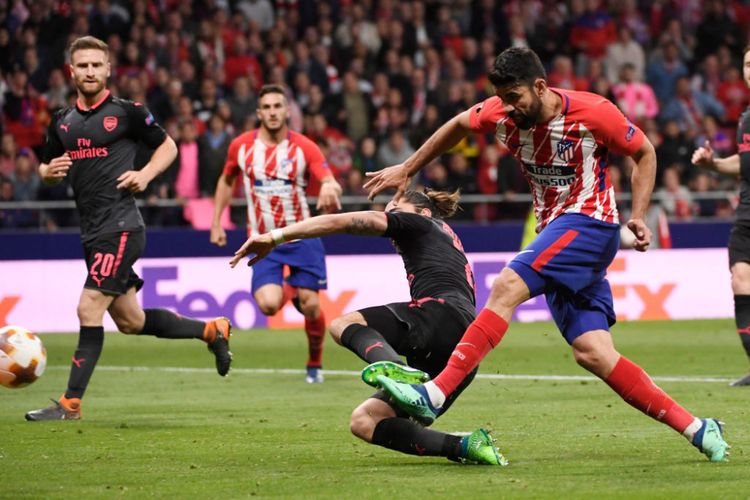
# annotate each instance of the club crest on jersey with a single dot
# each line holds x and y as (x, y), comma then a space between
(110, 123)
(565, 150)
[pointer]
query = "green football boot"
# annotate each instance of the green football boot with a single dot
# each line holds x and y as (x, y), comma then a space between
(412, 398)
(479, 448)
(394, 371)
(710, 440)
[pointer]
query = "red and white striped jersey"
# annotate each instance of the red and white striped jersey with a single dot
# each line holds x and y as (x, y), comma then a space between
(565, 160)
(275, 177)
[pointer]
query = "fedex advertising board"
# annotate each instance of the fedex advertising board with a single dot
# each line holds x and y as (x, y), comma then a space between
(659, 284)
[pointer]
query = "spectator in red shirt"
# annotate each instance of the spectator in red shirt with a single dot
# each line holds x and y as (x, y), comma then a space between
(593, 31)
(241, 62)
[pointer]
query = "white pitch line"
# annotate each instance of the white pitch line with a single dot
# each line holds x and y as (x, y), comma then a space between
(292, 371)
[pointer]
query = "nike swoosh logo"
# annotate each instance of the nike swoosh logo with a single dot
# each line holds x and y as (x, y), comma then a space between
(525, 251)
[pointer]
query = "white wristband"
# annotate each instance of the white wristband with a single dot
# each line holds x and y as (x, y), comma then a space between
(277, 235)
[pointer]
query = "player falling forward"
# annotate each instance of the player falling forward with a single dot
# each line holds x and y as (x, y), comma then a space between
(562, 138)
(274, 163)
(737, 165)
(424, 330)
(94, 145)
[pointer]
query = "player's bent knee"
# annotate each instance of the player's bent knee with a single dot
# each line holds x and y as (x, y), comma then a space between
(267, 308)
(337, 327)
(127, 326)
(362, 424)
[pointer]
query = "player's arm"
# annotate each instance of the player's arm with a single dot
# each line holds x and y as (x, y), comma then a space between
(222, 198)
(365, 223)
(137, 180)
(55, 161)
(329, 198)
(56, 170)
(642, 182)
(704, 157)
(399, 176)
(143, 128)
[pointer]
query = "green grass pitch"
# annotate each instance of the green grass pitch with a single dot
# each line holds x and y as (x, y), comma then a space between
(159, 422)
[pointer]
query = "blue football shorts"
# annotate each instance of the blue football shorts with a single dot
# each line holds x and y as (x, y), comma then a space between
(568, 262)
(305, 260)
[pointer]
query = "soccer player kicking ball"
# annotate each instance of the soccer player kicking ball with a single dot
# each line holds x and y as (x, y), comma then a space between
(424, 330)
(94, 144)
(562, 139)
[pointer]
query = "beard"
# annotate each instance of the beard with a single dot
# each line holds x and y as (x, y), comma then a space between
(90, 89)
(528, 119)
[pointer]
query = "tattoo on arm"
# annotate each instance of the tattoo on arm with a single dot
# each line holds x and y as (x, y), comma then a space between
(362, 225)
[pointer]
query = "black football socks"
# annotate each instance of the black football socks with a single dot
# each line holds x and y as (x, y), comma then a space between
(90, 343)
(742, 319)
(401, 434)
(168, 325)
(368, 344)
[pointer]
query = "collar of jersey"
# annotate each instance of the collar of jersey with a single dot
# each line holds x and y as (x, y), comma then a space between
(96, 104)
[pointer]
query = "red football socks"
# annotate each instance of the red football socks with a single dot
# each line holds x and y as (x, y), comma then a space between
(480, 338)
(315, 330)
(634, 385)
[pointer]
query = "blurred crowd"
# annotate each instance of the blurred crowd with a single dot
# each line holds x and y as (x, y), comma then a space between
(370, 80)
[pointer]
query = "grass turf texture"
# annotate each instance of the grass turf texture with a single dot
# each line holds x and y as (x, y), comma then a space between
(191, 434)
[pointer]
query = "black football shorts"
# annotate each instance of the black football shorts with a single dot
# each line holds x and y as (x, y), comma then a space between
(425, 334)
(110, 258)
(739, 243)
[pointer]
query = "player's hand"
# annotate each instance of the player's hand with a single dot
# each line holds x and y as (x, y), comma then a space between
(134, 181)
(642, 234)
(328, 198)
(259, 246)
(703, 156)
(389, 177)
(218, 236)
(56, 170)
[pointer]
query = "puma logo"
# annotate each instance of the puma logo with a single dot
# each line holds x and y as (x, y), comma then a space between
(98, 280)
(64, 126)
(373, 346)
(78, 362)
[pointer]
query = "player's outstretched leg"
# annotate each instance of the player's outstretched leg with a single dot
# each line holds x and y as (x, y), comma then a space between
(412, 398)
(479, 448)
(216, 335)
(709, 439)
(393, 371)
(62, 409)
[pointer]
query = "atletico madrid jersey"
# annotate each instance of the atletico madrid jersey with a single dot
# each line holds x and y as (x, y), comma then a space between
(565, 160)
(275, 177)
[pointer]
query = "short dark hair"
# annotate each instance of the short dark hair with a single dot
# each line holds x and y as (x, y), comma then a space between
(88, 42)
(515, 66)
(746, 50)
(271, 88)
